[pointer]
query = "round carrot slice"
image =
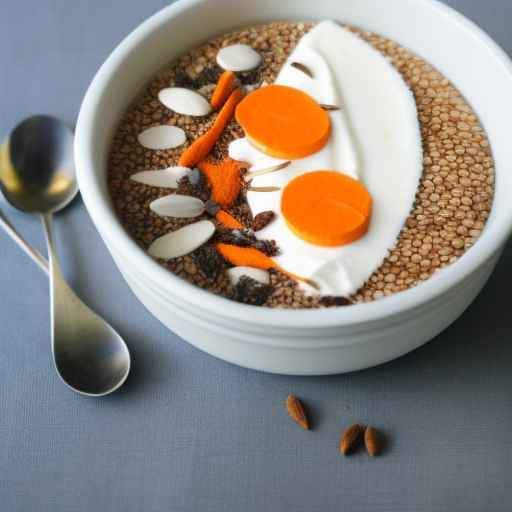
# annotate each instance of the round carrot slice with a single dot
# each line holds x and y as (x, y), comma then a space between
(283, 122)
(326, 208)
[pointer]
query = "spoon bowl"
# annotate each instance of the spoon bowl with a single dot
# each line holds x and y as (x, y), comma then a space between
(37, 170)
(37, 175)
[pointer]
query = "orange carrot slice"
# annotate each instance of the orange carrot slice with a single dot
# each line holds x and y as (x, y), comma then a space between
(201, 147)
(225, 179)
(227, 220)
(326, 208)
(284, 122)
(251, 257)
(225, 86)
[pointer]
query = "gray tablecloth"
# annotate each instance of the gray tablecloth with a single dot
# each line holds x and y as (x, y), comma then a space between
(189, 432)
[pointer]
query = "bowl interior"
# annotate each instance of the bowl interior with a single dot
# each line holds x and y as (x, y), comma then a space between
(432, 30)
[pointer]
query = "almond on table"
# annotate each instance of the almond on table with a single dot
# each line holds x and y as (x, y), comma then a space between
(296, 411)
(372, 441)
(351, 438)
(225, 179)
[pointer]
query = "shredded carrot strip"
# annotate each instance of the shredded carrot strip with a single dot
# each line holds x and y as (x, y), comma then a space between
(225, 86)
(251, 257)
(201, 147)
(228, 220)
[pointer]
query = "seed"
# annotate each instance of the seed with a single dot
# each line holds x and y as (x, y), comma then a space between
(166, 178)
(350, 439)
(329, 107)
(162, 137)
(372, 441)
(303, 68)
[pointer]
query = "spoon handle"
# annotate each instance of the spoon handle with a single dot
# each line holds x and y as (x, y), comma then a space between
(54, 271)
(22, 243)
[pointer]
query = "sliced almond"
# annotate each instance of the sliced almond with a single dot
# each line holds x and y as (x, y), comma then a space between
(235, 273)
(162, 137)
(312, 283)
(260, 172)
(178, 206)
(329, 108)
(263, 189)
(165, 178)
(184, 101)
(296, 411)
(183, 241)
(303, 68)
(238, 57)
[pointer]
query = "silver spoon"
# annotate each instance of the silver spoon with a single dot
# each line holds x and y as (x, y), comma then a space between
(37, 175)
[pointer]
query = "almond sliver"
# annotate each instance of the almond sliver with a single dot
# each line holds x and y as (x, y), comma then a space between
(178, 206)
(182, 241)
(184, 101)
(162, 137)
(165, 178)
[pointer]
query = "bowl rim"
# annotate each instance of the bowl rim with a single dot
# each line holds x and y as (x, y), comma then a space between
(110, 228)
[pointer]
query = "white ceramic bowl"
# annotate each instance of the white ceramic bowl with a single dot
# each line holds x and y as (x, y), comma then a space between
(307, 342)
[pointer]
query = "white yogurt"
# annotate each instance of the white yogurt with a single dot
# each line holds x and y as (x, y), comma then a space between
(375, 139)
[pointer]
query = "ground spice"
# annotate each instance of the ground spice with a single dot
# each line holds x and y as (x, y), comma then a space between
(197, 187)
(249, 291)
(207, 76)
(250, 77)
(224, 178)
(244, 238)
(209, 261)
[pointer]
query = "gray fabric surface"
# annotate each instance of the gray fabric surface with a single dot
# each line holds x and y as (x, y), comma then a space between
(189, 432)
